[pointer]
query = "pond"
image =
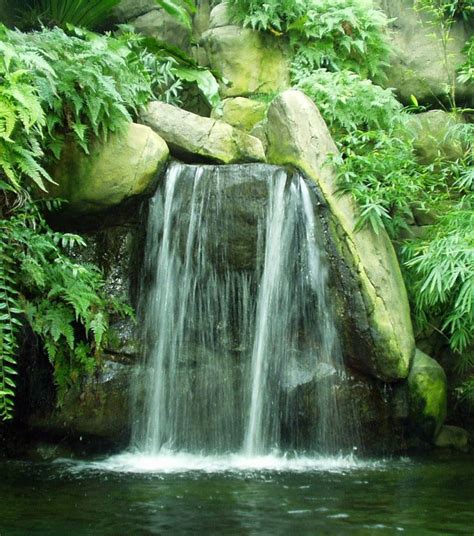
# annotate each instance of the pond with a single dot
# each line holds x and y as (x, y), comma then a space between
(191, 495)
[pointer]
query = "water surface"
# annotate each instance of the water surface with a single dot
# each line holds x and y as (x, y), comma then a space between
(218, 496)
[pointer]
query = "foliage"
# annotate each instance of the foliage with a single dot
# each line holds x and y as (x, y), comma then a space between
(466, 71)
(83, 13)
(380, 170)
(333, 34)
(54, 85)
(441, 275)
(171, 69)
(87, 14)
(63, 301)
(348, 102)
(442, 15)
(179, 9)
(84, 86)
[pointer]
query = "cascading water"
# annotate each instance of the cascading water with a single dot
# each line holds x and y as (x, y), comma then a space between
(239, 330)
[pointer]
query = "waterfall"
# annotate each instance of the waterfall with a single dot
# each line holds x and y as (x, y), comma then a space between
(241, 348)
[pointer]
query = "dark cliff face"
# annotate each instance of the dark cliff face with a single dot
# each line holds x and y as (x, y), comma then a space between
(99, 409)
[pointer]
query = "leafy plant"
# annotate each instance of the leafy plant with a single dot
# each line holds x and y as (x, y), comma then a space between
(83, 13)
(348, 102)
(54, 85)
(441, 275)
(179, 9)
(63, 301)
(466, 71)
(331, 34)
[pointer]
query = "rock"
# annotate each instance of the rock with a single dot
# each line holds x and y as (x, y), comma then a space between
(220, 16)
(260, 131)
(241, 112)
(427, 395)
(129, 9)
(418, 65)
(123, 168)
(378, 330)
(192, 136)
(201, 18)
(452, 437)
(434, 136)
(253, 62)
(162, 26)
(100, 409)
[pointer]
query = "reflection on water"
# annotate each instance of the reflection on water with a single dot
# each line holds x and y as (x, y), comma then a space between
(202, 495)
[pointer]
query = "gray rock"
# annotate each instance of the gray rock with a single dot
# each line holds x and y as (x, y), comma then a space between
(129, 9)
(192, 136)
(418, 65)
(162, 26)
(378, 311)
(251, 61)
(100, 409)
(220, 16)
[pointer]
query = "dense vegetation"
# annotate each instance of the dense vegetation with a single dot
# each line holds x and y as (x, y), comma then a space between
(56, 86)
(60, 82)
(339, 53)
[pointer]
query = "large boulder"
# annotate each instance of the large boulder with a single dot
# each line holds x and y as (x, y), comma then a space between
(191, 136)
(251, 61)
(129, 9)
(241, 112)
(453, 437)
(121, 169)
(435, 136)
(379, 335)
(419, 65)
(164, 27)
(427, 388)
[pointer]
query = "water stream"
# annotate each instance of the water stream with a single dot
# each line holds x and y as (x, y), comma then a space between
(237, 318)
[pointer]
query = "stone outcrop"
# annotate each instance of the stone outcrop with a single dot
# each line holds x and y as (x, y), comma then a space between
(380, 339)
(418, 65)
(123, 168)
(453, 437)
(241, 112)
(251, 61)
(191, 136)
(427, 395)
(148, 18)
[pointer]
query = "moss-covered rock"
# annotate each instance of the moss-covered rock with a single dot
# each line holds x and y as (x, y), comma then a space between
(380, 340)
(121, 169)
(193, 137)
(453, 437)
(241, 112)
(427, 395)
(251, 61)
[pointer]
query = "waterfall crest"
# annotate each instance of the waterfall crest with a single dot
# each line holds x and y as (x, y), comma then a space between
(241, 348)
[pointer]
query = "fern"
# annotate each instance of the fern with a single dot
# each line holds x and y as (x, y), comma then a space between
(331, 34)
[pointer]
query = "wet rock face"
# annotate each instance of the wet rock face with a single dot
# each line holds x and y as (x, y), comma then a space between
(372, 303)
(98, 409)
